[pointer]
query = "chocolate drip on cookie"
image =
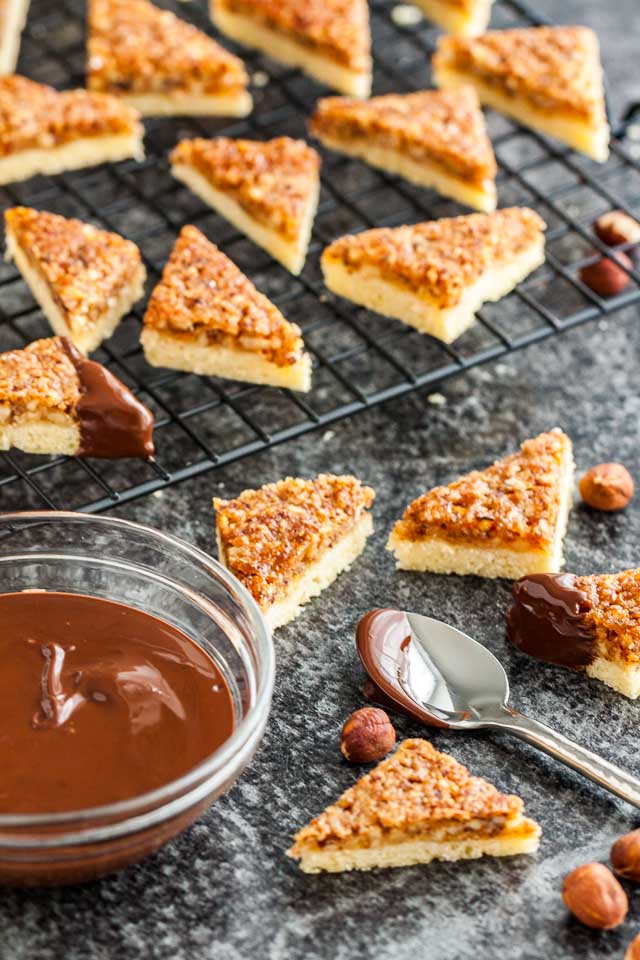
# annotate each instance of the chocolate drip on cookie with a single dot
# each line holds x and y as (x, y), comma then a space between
(547, 620)
(113, 423)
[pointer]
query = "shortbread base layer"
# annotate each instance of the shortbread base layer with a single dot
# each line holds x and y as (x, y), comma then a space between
(15, 17)
(320, 574)
(424, 172)
(86, 152)
(443, 556)
(286, 49)
(365, 286)
(623, 677)
(437, 555)
(212, 360)
(291, 254)
(88, 340)
(457, 21)
(236, 104)
(524, 838)
(591, 139)
(41, 436)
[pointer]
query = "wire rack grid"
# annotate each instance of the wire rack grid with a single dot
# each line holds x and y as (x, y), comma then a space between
(360, 359)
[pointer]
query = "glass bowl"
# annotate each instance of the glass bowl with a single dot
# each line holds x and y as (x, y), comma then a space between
(162, 575)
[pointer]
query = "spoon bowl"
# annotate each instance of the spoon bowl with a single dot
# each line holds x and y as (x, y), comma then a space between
(431, 669)
(445, 678)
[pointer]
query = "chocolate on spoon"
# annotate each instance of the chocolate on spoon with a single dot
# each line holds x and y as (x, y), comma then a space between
(444, 678)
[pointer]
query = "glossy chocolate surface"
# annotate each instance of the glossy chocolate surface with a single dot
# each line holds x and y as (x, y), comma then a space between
(547, 620)
(99, 702)
(384, 644)
(113, 423)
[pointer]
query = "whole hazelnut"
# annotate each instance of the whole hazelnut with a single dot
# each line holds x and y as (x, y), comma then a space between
(615, 228)
(594, 896)
(607, 486)
(367, 735)
(605, 277)
(633, 950)
(625, 856)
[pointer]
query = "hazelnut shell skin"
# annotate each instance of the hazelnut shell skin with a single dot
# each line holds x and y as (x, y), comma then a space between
(607, 486)
(594, 897)
(625, 857)
(367, 736)
(605, 277)
(633, 950)
(616, 227)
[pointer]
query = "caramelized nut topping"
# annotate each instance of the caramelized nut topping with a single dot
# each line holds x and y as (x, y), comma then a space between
(441, 258)
(466, 5)
(337, 28)
(33, 115)
(85, 268)
(517, 498)
(271, 535)
(556, 68)
(135, 47)
(447, 125)
(202, 291)
(416, 787)
(614, 612)
(271, 180)
(40, 376)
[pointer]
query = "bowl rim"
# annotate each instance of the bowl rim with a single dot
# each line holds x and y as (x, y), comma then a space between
(176, 792)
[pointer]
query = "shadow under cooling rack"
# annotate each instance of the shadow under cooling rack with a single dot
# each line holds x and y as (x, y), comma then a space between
(360, 358)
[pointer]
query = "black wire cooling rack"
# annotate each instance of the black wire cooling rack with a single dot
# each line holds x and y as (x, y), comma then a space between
(360, 359)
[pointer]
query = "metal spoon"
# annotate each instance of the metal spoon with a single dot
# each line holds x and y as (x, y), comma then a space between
(444, 678)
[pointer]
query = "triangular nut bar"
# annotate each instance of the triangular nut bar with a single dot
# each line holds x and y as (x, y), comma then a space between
(13, 16)
(328, 39)
(46, 131)
(589, 623)
(504, 521)
(53, 400)
(434, 276)
(205, 316)
(160, 64)
(547, 78)
(435, 138)
(268, 189)
(416, 806)
(466, 18)
(287, 541)
(85, 279)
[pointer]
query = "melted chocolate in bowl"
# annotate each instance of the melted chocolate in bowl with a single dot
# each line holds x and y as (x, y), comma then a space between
(136, 678)
(99, 702)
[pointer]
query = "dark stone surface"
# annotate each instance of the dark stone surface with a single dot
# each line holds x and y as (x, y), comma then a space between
(224, 890)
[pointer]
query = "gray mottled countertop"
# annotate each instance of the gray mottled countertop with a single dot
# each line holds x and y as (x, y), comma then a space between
(224, 890)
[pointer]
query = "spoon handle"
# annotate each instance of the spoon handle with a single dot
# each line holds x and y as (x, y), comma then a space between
(589, 764)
